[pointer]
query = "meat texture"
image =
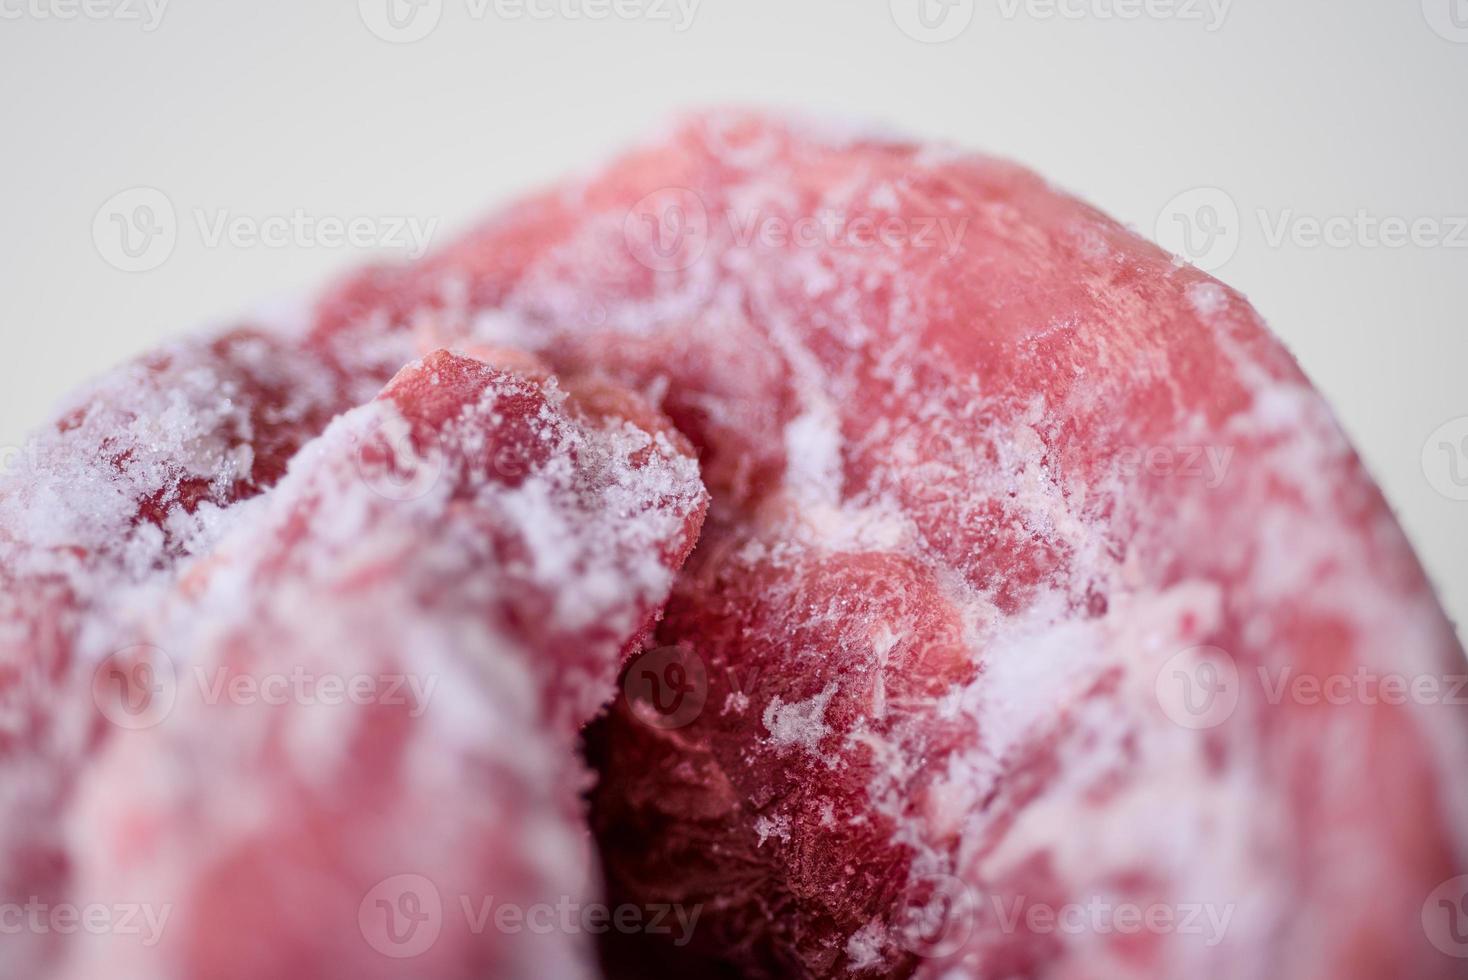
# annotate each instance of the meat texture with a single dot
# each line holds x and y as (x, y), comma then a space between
(1028, 547)
(140, 472)
(350, 738)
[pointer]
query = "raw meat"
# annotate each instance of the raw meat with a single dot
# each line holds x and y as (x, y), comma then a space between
(1000, 490)
(139, 472)
(370, 692)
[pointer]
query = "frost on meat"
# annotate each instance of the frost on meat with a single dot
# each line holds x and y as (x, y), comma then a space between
(141, 470)
(479, 547)
(964, 541)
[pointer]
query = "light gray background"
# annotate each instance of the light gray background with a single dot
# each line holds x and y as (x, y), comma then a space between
(1299, 108)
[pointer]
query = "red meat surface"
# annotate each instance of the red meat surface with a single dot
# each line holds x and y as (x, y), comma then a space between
(1044, 623)
(1024, 535)
(471, 554)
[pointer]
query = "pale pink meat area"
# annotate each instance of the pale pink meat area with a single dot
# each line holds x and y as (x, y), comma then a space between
(138, 474)
(1077, 467)
(481, 546)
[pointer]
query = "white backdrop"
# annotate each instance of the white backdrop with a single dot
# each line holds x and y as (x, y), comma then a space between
(1314, 151)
